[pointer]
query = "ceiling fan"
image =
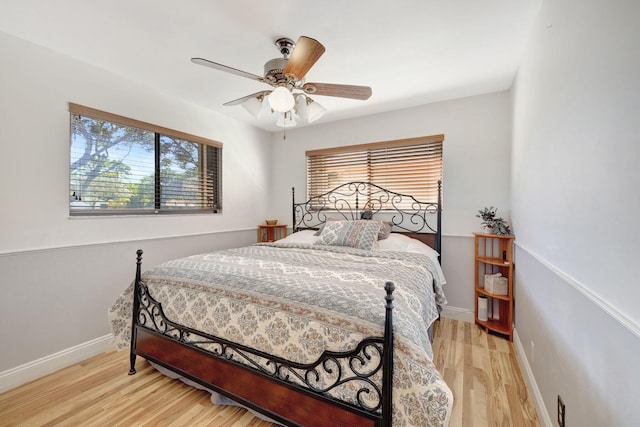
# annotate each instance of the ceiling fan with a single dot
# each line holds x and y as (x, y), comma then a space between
(286, 76)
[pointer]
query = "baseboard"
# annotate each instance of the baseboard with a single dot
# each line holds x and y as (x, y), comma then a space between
(54, 362)
(532, 385)
(456, 313)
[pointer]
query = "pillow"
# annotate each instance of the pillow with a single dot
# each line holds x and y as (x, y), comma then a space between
(302, 236)
(356, 234)
(368, 214)
(418, 247)
(325, 223)
(401, 243)
(384, 232)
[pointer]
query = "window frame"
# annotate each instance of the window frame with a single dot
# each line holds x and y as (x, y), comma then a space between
(159, 132)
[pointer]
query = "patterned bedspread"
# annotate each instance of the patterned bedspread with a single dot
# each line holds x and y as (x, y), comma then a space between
(297, 300)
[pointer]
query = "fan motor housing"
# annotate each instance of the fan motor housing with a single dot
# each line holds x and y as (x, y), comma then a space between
(273, 70)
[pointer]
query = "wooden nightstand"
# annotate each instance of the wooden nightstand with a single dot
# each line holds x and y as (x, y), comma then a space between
(271, 233)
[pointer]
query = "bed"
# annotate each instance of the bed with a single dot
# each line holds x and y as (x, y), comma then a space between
(329, 326)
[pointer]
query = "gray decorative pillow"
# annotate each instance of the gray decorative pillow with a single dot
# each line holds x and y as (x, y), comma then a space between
(317, 233)
(356, 234)
(368, 214)
(385, 230)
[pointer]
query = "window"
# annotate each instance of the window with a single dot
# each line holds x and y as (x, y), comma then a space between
(123, 166)
(407, 166)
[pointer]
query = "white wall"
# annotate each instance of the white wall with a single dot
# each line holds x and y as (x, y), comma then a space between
(477, 131)
(575, 181)
(58, 274)
(37, 85)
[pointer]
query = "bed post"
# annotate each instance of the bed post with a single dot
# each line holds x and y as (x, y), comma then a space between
(136, 306)
(387, 358)
(293, 209)
(439, 219)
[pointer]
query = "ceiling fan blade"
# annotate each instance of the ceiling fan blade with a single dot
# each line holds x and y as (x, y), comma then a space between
(220, 67)
(244, 98)
(342, 91)
(306, 53)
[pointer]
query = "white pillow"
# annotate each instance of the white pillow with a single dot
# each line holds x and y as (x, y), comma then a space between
(402, 243)
(302, 236)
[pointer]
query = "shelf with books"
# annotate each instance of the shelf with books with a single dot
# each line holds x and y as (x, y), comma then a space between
(493, 272)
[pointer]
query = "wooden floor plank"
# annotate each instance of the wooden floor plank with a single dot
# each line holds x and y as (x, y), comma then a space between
(481, 370)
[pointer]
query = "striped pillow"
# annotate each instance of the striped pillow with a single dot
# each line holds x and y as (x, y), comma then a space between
(360, 234)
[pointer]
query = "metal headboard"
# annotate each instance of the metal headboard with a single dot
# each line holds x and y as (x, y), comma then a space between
(357, 200)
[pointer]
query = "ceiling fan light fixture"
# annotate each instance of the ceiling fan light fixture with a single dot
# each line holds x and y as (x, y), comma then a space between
(253, 106)
(281, 100)
(286, 75)
(286, 120)
(301, 106)
(314, 110)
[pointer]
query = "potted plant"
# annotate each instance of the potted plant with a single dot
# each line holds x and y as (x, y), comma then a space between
(493, 225)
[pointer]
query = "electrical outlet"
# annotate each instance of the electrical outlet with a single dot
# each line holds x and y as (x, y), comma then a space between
(560, 412)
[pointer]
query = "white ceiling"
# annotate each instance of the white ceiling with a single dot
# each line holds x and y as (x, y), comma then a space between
(410, 52)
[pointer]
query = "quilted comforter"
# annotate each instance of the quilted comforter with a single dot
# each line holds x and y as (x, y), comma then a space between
(297, 300)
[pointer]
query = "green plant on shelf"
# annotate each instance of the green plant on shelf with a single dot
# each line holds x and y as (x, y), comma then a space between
(491, 224)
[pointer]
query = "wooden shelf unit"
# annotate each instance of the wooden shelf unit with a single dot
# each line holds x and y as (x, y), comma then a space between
(271, 233)
(494, 254)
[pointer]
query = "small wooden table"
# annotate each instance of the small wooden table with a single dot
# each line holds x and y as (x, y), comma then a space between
(271, 233)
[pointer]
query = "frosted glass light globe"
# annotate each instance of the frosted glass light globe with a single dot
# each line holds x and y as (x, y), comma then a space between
(281, 100)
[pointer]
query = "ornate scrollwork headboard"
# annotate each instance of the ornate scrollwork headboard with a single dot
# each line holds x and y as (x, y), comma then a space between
(365, 200)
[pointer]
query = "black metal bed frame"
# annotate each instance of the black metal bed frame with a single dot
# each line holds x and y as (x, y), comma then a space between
(210, 360)
(363, 200)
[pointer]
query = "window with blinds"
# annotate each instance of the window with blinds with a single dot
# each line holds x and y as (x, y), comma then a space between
(123, 166)
(408, 166)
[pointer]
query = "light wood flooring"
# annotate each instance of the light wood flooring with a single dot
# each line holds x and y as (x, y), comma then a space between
(481, 370)
(484, 375)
